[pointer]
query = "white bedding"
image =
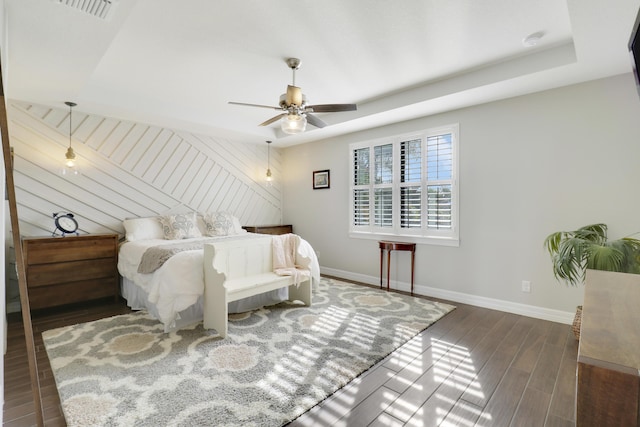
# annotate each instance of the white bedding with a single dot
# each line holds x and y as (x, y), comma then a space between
(179, 283)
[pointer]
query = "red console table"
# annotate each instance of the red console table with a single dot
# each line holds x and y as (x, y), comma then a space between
(396, 246)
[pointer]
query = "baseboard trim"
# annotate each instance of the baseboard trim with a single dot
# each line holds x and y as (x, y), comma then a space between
(479, 301)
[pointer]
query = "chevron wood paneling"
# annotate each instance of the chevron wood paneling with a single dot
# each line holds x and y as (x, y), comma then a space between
(132, 170)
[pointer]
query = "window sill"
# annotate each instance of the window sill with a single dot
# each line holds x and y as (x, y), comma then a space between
(436, 241)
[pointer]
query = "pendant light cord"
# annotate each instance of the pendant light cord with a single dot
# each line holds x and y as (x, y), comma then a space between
(71, 105)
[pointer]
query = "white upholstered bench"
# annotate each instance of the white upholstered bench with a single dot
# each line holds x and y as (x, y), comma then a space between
(238, 269)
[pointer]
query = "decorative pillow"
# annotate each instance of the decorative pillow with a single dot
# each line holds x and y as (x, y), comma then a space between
(142, 229)
(180, 226)
(219, 223)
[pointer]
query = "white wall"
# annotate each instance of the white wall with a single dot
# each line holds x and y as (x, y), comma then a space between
(530, 165)
(132, 170)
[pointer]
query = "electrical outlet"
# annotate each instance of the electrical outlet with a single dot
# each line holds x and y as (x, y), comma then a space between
(526, 286)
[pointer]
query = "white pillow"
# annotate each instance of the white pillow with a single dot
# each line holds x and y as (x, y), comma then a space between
(142, 229)
(221, 224)
(180, 226)
(218, 223)
(238, 227)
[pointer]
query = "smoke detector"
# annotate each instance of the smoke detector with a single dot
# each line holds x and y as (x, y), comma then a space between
(102, 9)
(533, 39)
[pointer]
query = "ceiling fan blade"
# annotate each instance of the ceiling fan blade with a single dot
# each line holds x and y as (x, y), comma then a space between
(330, 108)
(255, 105)
(294, 95)
(272, 119)
(315, 121)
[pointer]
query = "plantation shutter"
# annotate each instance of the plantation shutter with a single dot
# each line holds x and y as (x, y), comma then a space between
(361, 198)
(439, 176)
(383, 207)
(383, 192)
(406, 185)
(361, 203)
(410, 179)
(383, 163)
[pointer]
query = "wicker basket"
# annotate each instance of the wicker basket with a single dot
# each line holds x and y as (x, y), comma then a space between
(577, 321)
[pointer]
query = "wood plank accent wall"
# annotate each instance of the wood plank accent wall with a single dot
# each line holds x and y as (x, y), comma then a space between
(132, 170)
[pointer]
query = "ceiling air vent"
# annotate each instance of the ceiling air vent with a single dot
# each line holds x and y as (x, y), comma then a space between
(99, 8)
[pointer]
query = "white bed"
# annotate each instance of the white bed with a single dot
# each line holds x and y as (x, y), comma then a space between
(173, 292)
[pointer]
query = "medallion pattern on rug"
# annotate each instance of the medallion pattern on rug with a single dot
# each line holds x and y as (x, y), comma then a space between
(276, 363)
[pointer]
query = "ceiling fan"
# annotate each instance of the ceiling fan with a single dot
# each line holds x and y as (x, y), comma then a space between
(296, 113)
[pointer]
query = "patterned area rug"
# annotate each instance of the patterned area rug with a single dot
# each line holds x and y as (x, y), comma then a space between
(276, 363)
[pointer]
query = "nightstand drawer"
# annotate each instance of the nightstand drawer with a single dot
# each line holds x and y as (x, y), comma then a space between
(61, 249)
(74, 271)
(68, 293)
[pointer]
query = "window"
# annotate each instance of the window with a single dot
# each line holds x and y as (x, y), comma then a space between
(406, 186)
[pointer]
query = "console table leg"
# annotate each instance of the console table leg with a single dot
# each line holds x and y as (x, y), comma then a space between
(388, 267)
(413, 257)
(381, 252)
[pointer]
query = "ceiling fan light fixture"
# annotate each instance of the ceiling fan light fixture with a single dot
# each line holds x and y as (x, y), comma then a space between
(294, 110)
(293, 124)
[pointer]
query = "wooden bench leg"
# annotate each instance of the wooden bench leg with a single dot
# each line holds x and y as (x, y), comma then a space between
(216, 316)
(301, 293)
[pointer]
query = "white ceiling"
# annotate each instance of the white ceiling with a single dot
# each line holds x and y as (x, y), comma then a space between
(177, 63)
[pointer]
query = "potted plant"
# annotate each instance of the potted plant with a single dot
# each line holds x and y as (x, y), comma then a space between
(573, 252)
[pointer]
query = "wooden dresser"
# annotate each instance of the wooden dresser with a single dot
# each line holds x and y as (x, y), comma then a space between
(608, 386)
(64, 270)
(269, 229)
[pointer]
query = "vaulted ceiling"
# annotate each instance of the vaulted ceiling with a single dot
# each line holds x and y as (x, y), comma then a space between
(178, 63)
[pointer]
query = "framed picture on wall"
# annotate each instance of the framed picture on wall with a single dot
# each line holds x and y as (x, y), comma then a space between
(321, 179)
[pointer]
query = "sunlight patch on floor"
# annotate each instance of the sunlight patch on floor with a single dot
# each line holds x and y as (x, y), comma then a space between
(402, 357)
(463, 415)
(447, 372)
(331, 320)
(362, 331)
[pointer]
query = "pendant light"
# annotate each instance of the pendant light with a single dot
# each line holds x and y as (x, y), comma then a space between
(70, 167)
(269, 177)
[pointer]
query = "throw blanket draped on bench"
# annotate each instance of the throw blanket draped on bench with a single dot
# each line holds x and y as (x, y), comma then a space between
(285, 247)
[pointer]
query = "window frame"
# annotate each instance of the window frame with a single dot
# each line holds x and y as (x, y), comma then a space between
(422, 234)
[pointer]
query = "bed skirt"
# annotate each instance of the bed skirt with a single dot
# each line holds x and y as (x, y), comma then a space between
(137, 299)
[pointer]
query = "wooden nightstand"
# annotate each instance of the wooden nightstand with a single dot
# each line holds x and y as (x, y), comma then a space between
(269, 229)
(64, 270)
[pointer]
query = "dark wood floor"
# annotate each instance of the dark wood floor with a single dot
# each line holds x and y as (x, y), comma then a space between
(473, 367)
(18, 398)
